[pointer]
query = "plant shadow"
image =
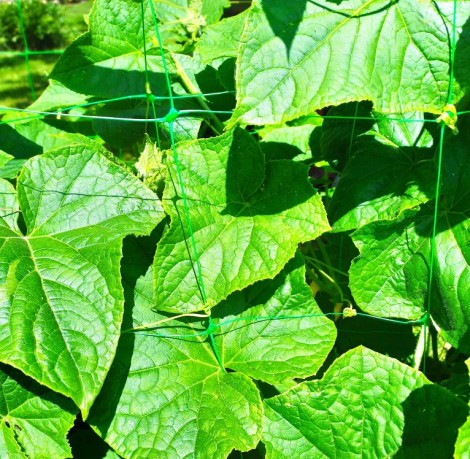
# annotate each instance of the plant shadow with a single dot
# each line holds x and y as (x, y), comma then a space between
(137, 258)
(425, 434)
(254, 187)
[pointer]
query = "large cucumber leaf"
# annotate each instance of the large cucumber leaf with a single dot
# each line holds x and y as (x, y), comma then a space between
(366, 405)
(247, 218)
(61, 300)
(109, 60)
(167, 397)
(296, 57)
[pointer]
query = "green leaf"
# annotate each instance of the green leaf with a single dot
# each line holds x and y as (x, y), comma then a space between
(9, 166)
(380, 181)
(292, 142)
(221, 40)
(340, 130)
(24, 139)
(34, 421)
(125, 134)
(108, 61)
(241, 233)
(462, 446)
(390, 277)
(61, 299)
(366, 405)
(56, 96)
(274, 331)
(168, 398)
(301, 56)
(179, 10)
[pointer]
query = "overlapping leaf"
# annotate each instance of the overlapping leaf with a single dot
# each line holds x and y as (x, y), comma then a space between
(391, 275)
(169, 398)
(61, 299)
(168, 394)
(273, 331)
(389, 171)
(34, 421)
(109, 60)
(366, 405)
(246, 220)
(300, 56)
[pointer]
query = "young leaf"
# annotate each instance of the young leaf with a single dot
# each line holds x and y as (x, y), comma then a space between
(150, 165)
(366, 405)
(296, 57)
(61, 298)
(247, 219)
(34, 421)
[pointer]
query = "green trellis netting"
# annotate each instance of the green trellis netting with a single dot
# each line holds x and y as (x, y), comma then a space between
(157, 219)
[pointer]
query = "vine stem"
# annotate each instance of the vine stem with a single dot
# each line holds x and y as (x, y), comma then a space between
(420, 348)
(216, 124)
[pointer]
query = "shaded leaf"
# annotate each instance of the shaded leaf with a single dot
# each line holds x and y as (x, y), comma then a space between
(391, 275)
(381, 181)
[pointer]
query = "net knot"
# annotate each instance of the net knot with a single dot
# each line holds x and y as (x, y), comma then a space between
(211, 327)
(172, 115)
(449, 118)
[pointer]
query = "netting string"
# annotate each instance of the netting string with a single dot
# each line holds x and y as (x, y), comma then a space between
(26, 49)
(170, 118)
(62, 112)
(147, 328)
(440, 155)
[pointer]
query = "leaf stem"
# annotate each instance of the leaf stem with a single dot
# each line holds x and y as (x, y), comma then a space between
(420, 347)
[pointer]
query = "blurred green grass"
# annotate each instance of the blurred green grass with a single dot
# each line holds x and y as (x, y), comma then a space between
(14, 85)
